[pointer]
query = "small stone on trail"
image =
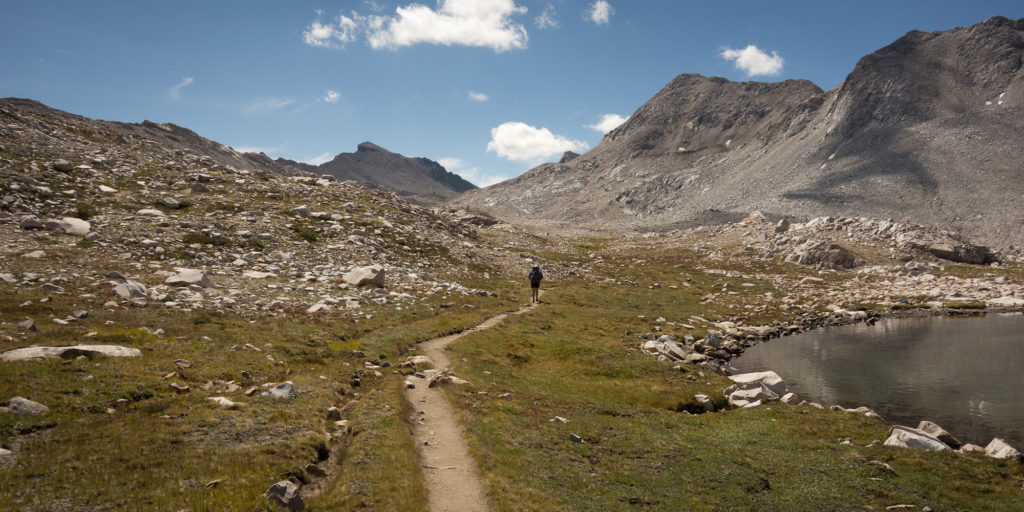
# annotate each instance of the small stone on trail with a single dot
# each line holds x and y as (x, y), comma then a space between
(575, 438)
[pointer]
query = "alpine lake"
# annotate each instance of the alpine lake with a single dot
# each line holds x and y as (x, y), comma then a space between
(964, 373)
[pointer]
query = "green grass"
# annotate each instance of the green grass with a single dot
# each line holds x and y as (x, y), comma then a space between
(571, 359)
(159, 449)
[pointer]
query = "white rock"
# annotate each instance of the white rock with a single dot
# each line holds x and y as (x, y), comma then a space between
(225, 402)
(34, 255)
(129, 289)
(25, 407)
(939, 433)
(998, 449)
(68, 352)
(769, 379)
(256, 274)
(285, 494)
(362, 276)
(75, 226)
(283, 390)
(150, 212)
(742, 395)
(188, 277)
(906, 437)
(319, 309)
(1006, 302)
(107, 190)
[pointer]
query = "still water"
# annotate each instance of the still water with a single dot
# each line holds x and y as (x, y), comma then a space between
(966, 374)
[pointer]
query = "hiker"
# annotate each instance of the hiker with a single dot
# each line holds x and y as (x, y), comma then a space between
(535, 277)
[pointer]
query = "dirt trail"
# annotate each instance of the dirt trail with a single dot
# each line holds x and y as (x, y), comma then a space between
(453, 482)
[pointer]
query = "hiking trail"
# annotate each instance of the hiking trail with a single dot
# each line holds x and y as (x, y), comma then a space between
(453, 481)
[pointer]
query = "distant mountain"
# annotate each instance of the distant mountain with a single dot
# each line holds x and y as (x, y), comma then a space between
(376, 167)
(929, 129)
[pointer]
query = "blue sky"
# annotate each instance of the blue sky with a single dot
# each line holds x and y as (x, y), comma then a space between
(489, 88)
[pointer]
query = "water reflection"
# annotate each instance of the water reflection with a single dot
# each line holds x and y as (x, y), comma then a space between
(966, 374)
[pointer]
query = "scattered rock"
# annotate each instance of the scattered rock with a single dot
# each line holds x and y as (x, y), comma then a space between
(62, 165)
(283, 390)
(998, 449)
(372, 275)
(705, 402)
(25, 407)
(188, 277)
(31, 222)
(130, 289)
(939, 433)
(75, 226)
(285, 494)
(225, 402)
(68, 352)
(906, 437)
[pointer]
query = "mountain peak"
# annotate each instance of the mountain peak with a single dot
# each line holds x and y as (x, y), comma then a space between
(926, 130)
(369, 147)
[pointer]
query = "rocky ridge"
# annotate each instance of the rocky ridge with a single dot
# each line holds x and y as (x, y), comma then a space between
(926, 131)
(419, 179)
(143, 223)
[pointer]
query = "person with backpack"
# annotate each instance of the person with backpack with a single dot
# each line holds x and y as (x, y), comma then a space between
(535, 277)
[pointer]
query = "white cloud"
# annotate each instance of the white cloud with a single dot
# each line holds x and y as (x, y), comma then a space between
(524, 143)
(600, 12)
(334, 34)
(483, 23)
(546, 19)
(478, 96)
(607, 123)
(753, 61)
(469, 172)
(331, 96)
(261, 105)
(175, 92)
(319, 159)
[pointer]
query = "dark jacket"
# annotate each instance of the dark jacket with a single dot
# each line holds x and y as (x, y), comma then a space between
(535, 277)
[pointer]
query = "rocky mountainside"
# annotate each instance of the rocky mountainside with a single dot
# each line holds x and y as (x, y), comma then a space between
(55, 128)
(420, 179)
(153, 214)
(928, 130)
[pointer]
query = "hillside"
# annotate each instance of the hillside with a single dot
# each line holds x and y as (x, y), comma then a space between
(372, 166)
(178, 333)
(927, 130)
